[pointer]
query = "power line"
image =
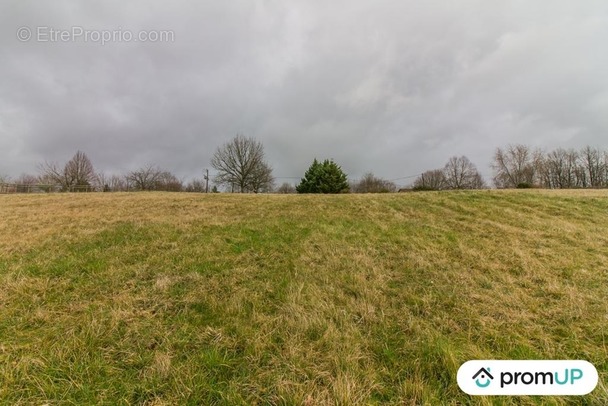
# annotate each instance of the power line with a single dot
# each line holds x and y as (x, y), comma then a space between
(405, 177)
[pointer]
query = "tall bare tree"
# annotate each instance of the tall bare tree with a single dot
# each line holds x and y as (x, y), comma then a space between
(560, 169)
(515, 166)
(460, 173)
(77, 174)
(594, 166)
(240, 163)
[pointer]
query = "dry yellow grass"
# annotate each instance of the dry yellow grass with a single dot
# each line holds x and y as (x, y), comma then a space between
(159, 298)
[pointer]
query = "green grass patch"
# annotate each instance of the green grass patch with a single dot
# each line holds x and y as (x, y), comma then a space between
(159, 298)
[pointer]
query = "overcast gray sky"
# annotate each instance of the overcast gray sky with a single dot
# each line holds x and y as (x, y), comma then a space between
(393, 87)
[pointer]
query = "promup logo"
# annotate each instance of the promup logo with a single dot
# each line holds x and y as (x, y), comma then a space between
(485, 376)
(493, 377)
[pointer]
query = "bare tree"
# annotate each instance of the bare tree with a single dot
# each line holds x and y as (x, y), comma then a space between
(515, 166)
(26, 182)
(111, 183)
(286, 188)
(240, 163)
(560, 169)
(577, 176)
(101, 182)
(371, 184)
(27, 179)
(77, 174)
(80, 169)
(168, 182)
(144, 178)
(262, 180)
(460, 173)
(117, 184)
(5, 186)
(196, 186)
(594, 166)
(151, 177)
(430, 180)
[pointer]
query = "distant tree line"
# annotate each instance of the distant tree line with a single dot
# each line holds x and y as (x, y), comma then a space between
(241, 167)
(79, 175)
(520, 166)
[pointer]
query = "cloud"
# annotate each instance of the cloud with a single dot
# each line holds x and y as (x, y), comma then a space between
(390, 87)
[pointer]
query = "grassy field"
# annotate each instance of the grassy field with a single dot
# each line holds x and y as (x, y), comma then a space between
(158, 298)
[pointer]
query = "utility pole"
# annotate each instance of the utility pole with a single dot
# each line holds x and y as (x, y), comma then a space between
(206, 181)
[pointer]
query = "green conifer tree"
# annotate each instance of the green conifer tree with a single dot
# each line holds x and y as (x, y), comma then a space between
(326, 177)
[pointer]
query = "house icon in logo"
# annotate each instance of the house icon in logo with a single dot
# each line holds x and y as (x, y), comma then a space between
(483, 374)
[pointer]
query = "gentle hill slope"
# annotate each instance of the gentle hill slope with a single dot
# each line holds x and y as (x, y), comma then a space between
(165, 298)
